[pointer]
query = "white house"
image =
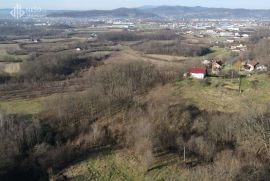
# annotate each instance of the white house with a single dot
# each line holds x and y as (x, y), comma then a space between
(198, 73)
(245, 35)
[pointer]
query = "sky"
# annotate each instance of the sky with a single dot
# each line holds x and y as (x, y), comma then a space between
(111, 4)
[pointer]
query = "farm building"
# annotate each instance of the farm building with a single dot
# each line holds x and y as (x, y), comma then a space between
(206, 62)
(250, 65)
(216, 67)
(261, 68)
(198, 73)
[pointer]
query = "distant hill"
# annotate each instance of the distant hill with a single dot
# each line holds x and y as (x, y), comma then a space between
(121, 12)
(176, 12)
(5, 13)
(203, 12)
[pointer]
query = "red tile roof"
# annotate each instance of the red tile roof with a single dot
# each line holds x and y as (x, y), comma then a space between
(198, 70)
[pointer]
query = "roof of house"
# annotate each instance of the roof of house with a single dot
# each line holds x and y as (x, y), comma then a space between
(198, 70)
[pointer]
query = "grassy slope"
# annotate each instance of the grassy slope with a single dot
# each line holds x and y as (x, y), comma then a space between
(219, 53)
(118, 166)
(217, 94)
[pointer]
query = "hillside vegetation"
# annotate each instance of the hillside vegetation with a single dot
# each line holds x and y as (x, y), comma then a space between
(119, 109)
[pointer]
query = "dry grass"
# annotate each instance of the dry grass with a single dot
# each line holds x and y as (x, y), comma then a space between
(5, 57)
(12, 68)
(9, 46)
(167, 58)
(129, 55)
(119, 166)
(114, 166)
(211, 99)
(22, 106)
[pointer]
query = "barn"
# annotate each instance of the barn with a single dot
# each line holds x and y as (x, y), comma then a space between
(198, 73)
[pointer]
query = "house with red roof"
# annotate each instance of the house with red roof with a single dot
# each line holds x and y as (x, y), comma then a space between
(198, 73)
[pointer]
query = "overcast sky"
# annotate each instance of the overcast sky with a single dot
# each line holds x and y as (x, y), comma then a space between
(110, 4)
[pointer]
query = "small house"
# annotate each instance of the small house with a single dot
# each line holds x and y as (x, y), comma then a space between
(230, 41)
(198, 73)
(250, 65)
(216, 67)
(261, 68)
(245, 35)
(34, 40)
(206, 62)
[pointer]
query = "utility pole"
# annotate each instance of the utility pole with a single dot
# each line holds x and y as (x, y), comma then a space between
(240, 82)
(1, 121)
(240, 79)
(184, 154)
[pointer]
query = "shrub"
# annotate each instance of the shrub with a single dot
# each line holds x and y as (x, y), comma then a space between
(53, 67)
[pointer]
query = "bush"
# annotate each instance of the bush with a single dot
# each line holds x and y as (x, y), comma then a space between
(135, 36)
(4, 78)
(53, 67)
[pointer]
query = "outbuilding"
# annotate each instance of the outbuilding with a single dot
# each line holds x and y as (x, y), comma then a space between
(198, 73)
